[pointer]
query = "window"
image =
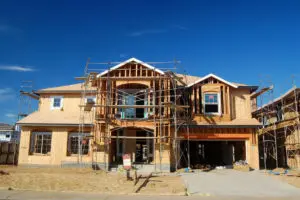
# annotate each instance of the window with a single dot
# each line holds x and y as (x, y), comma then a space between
(57, 102)
(265, 121)
(7, 136)
(279, 113)
(90, 99)
(41, 142)
(78, 142)
(211, 104)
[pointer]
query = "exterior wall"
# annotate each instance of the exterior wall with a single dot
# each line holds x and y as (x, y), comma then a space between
(70, 103)
(58, 155)
(240, 104)
(235, 103)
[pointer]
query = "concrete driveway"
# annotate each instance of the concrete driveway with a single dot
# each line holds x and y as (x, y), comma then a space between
(234, 183)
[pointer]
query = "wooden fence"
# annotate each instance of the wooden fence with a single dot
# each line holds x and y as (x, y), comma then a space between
(9, 152)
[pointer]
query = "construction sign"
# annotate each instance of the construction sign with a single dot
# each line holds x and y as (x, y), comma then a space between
(127, 161)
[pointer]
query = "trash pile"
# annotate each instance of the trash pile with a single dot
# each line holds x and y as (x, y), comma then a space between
(241, 165)
(203, 167)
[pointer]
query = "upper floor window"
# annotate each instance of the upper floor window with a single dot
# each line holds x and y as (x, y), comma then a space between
(90, 99)
(279, 113)
(57, 102)
(265, 121)
(211, 103)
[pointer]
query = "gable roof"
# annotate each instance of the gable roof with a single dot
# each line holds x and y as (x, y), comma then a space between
(129, 61)
(216, 77)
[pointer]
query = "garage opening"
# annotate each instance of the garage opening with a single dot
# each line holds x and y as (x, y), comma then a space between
(213, 153)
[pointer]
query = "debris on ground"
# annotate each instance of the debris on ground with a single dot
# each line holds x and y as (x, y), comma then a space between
(3, 172)
(220, 167)
(203, 167)
(242, 165)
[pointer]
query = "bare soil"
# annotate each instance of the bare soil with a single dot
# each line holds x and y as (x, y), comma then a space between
(85, 180)
(292, 177)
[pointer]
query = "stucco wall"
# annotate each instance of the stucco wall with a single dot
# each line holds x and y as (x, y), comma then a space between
(70, 103)
(58, 154)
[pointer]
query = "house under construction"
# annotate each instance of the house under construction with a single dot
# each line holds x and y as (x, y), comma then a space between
(162, 119)
(279, 135)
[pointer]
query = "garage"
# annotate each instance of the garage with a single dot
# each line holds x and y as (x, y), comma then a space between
(213, 153)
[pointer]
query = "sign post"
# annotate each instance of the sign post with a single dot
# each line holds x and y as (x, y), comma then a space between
(127, 164)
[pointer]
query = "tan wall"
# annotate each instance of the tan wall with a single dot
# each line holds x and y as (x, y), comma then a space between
(164, 157)
(252, 156)
(70, 103)
(240, 104)
(58, 153)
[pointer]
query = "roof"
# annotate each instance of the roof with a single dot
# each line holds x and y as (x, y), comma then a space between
(235, 122)
(188, 79)
(129, 61)
(276, 100)
(6, 127)
(76, 88)
(216, 77)
(54, 118)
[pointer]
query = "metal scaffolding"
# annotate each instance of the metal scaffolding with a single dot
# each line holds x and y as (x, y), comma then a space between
(279, 135)
(165, 102)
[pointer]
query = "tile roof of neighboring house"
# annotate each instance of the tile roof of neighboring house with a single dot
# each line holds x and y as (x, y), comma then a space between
(54, 117)
(66, 88)
(5, 127)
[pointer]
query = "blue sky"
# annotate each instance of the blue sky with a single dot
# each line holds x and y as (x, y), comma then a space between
(241, 41)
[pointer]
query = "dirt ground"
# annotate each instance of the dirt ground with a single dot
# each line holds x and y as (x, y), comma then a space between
(295, 181)
(85, 180)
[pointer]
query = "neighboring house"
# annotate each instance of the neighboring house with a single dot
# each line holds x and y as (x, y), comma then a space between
(164, 121)
(8, 133)
(279, 136)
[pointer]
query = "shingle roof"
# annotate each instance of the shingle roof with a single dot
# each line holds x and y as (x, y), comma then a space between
(5, 127)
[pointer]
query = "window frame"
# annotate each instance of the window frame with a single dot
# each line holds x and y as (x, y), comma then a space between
(61, 102)
(90, 97)
(33, 142)
(78, 135)
(218, 103)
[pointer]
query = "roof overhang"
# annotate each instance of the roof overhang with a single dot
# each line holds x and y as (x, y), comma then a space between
(64, 91)
(129, 61)
(51, 124)
(213, 76)
(222, 125)
(278, 99)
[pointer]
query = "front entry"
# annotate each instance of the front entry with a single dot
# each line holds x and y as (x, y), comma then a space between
(143, 148)
(141, 151)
